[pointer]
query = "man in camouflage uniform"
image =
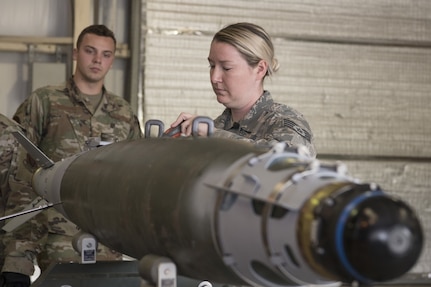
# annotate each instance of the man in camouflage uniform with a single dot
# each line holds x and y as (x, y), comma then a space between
(8, 145)
(16, 194)
(61, 120)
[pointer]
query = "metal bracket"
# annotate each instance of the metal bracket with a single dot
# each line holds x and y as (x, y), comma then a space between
(202, 120)
(35, 207)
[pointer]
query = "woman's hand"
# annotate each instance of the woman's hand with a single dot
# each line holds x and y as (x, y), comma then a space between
(186, 121)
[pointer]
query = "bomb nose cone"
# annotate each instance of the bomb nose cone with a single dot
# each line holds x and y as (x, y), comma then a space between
(382, 239)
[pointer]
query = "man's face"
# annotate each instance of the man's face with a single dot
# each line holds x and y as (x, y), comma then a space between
(94, 57)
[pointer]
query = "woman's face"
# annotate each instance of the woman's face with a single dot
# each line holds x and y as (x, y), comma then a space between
(234, 82)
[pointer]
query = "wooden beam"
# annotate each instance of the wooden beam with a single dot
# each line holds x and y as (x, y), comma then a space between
(21, 47)
(36, 40)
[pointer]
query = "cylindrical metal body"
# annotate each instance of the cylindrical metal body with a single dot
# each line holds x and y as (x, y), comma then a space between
(149, 197)
(229, 212)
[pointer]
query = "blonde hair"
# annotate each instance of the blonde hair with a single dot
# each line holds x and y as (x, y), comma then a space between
(252, 42)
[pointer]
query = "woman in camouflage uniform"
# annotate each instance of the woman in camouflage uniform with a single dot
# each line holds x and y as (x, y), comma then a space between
(240, 58)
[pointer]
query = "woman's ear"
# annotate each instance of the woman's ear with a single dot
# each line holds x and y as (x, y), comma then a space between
(262, 68)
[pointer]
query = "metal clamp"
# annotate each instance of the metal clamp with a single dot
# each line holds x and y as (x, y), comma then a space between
(150, 123)
(202, 120)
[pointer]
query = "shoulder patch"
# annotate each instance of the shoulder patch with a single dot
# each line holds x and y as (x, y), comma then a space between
(302, 132)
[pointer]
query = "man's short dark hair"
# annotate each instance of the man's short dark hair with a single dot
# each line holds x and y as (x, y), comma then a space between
(97, 29)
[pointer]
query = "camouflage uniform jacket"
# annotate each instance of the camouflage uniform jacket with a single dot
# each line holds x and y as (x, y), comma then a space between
(266, 123)
(11, 173)
(7, 146)
(59, 120)
(16, 194)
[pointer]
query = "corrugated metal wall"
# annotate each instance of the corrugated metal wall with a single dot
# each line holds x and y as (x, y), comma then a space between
(360, 71)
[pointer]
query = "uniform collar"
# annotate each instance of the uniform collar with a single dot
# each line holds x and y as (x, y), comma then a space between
(108, 104)
(256, 110)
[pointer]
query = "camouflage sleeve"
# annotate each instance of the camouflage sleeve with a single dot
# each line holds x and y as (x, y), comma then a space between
(7, 147)
(135, 130)
(24, 243)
